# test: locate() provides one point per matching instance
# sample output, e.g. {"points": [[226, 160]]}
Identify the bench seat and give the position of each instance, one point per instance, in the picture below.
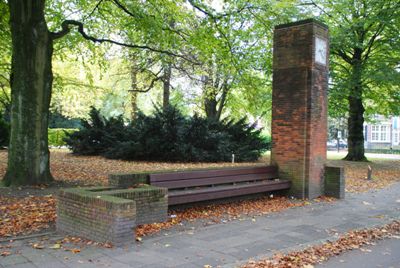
{"points": [[176, 197], [201, 185]]}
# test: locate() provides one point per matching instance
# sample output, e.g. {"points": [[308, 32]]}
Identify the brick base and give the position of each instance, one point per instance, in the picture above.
{"points": [[334, 182], [107, 214]]}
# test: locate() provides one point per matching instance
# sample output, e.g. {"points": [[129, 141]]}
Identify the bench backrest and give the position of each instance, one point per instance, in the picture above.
{"points": [[185, 179]]}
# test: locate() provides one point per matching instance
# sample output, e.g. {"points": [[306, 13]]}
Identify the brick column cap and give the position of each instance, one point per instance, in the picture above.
{"points": [[301, 22]]}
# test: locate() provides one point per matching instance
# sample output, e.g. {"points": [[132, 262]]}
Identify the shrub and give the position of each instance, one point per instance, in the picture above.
{"points": [[168, 136], [97, 135], [57, 136], [4, 132], [57, 120], [156, 137]]}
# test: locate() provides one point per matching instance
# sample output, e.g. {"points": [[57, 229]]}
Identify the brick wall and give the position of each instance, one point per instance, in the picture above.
{"points": [[98, 218], [299, 107], [108, 214], [151, 202]]}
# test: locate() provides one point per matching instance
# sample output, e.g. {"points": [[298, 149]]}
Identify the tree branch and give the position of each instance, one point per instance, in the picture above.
{"points": [[65, 29], [156, 78], [343, 55]]}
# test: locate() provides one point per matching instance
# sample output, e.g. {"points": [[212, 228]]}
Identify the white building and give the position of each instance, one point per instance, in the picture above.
{"points": [[384, 133]]}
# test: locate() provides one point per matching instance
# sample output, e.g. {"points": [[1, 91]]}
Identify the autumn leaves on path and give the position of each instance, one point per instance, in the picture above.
{"points": [[31, 214], [319, 253]]}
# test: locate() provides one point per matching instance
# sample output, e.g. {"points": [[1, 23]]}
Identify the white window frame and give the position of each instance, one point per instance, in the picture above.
{"points": [[380, 133]]}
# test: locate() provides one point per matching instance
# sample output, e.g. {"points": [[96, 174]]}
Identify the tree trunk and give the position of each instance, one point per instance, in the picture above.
{"points": [[210, 106], [134, 93], [355, 138], [166, 85], [28, 154], [209, 99]]}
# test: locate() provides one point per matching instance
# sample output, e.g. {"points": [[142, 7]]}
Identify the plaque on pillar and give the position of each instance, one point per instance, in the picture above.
{"points": [[299, 105]]}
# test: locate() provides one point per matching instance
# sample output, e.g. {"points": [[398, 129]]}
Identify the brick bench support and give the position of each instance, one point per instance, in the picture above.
{"points": [[109, 214]]}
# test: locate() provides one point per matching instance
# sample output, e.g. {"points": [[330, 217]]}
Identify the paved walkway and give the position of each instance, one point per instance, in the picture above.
{"points": [[232, 243], [384, 254]]}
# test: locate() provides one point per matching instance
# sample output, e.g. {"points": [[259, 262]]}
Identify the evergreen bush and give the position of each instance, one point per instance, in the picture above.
{"points": [[167, 135], [97, 135], [4, 132]]}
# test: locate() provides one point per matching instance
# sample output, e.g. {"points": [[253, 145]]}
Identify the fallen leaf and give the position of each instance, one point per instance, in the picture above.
{"points": [[75, 250], [37, 246], [5, 253], [56, 246]]}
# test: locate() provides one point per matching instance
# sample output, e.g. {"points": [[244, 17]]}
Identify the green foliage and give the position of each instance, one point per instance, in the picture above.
{"points": [[57, 136], [97, 135], [57, 120], [364, 39], [4, 132], [169, 136]]}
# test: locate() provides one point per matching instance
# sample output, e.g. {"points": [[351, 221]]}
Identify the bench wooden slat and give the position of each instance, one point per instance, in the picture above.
{"points": [[214, 180], [198, 174], [182, 197]]}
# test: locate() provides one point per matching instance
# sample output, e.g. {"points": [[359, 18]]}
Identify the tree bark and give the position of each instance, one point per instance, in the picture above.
{"points": [[28, 154], [210, 105], [166, 85], [134, 93], [355, 121], [209, 99]]}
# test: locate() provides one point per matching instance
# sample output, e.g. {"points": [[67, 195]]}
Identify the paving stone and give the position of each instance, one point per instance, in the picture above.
{"points": [[13, 259], [21, 265]]}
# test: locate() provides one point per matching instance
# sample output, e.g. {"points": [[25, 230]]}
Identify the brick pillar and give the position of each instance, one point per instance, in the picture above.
{"points": [[299, 105]]}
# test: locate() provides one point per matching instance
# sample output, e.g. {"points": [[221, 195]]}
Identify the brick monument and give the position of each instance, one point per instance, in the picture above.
{"points": [[299, 105]]}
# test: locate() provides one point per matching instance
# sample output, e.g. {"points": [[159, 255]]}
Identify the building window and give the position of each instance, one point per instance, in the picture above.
{"points": [[396, 137], [380, 133]]}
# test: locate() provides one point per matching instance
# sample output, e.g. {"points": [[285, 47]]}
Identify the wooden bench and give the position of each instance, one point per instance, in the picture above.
{"points": [[201, 185]]}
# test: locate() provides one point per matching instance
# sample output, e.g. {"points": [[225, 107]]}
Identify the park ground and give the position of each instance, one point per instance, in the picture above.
{"points": [[202, 231]]}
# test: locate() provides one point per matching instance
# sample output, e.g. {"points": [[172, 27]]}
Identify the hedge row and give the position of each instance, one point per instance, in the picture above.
{"points": [[57, 136], [383, 151], [168, 136]]}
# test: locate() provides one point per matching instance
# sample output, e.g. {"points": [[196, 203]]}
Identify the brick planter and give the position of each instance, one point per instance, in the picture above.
{"points": [[107, 214]]}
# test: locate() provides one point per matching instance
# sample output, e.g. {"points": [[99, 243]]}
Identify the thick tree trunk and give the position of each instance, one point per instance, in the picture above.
{"points": [[355, 138], [167, 85], [28, 155]]}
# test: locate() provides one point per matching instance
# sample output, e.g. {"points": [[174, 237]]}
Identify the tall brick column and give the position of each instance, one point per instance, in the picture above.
{"points": [[299, 105]]}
